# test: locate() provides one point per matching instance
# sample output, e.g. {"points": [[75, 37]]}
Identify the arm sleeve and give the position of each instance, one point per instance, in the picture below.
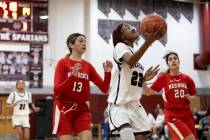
{"points": [[119, 51], [99, 82], [191, 86], [29, 97], [11, 98], [159, 83], [61, 83]]}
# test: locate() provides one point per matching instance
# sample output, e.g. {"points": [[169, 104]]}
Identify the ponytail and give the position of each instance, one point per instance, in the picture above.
{"points": [[68, 54]]}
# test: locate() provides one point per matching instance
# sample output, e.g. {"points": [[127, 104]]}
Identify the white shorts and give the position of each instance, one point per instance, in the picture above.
{"points": [[132, 113], [20, 121]]}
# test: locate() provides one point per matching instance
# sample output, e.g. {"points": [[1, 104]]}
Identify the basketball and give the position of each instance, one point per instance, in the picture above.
{"points": [[151, 23]]}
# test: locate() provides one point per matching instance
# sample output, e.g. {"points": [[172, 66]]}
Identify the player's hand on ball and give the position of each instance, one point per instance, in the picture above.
{"points": [[107, 66], [159, 31], [153, 27], [151, 73], [154, 35]]}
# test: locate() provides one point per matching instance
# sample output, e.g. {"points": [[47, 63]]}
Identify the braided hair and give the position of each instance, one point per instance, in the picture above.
{"points": [[117, 34]]}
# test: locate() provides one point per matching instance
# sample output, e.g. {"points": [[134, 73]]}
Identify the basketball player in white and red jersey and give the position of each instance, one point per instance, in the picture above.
{"points": [[72, 90], [127, 116], [21, 102], [178, 89]]}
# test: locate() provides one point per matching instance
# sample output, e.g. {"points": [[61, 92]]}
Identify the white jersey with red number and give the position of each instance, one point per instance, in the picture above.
{"points": [[126, 82], [23, 100]]}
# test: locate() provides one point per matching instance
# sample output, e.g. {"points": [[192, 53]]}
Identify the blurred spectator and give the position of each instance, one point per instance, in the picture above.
{"points": [[205, 125], [158, 126], [198, 115], [105, 125], [157, 109], [151, 119]]}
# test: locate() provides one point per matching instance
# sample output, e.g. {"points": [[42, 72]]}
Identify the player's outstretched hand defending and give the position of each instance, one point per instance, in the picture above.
{"points": [[151, 73], [107, 65]]}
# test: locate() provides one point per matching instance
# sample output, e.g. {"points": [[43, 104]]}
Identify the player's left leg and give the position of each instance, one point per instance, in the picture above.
{"points": [[191, 125], [139, 121], [26, 127], [19, 131], [190, 137], [179, 130], [26, 133], [82, 125], [140, 137], [85, 135], [126, 132]]}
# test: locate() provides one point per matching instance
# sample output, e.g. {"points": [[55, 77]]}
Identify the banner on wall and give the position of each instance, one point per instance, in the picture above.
{"points": [[36, 66], [23, 37], [27, 66], [14, 66]]}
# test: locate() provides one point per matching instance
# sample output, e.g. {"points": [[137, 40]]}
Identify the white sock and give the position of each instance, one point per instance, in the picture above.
{"points": [[127, 134]]}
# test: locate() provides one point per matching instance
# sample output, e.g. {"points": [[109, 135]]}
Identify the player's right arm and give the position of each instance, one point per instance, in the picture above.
{"points": [[10, 105], [61, 81], [132, 59], [147, 90], [156, 86], [10, 100], [191, 88]]}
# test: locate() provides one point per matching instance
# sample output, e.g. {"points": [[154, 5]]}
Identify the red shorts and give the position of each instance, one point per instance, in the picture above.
{"points": [[69, 118], [180, 127]]}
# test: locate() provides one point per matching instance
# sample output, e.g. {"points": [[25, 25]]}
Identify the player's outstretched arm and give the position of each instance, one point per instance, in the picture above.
{"points": [[147, 90], [132, 59], [103, 85], [151, 73]]}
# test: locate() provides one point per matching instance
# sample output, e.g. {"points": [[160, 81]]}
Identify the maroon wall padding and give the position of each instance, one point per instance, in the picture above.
{"points": [[203, 59], [150, 103], [98, 104]]}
